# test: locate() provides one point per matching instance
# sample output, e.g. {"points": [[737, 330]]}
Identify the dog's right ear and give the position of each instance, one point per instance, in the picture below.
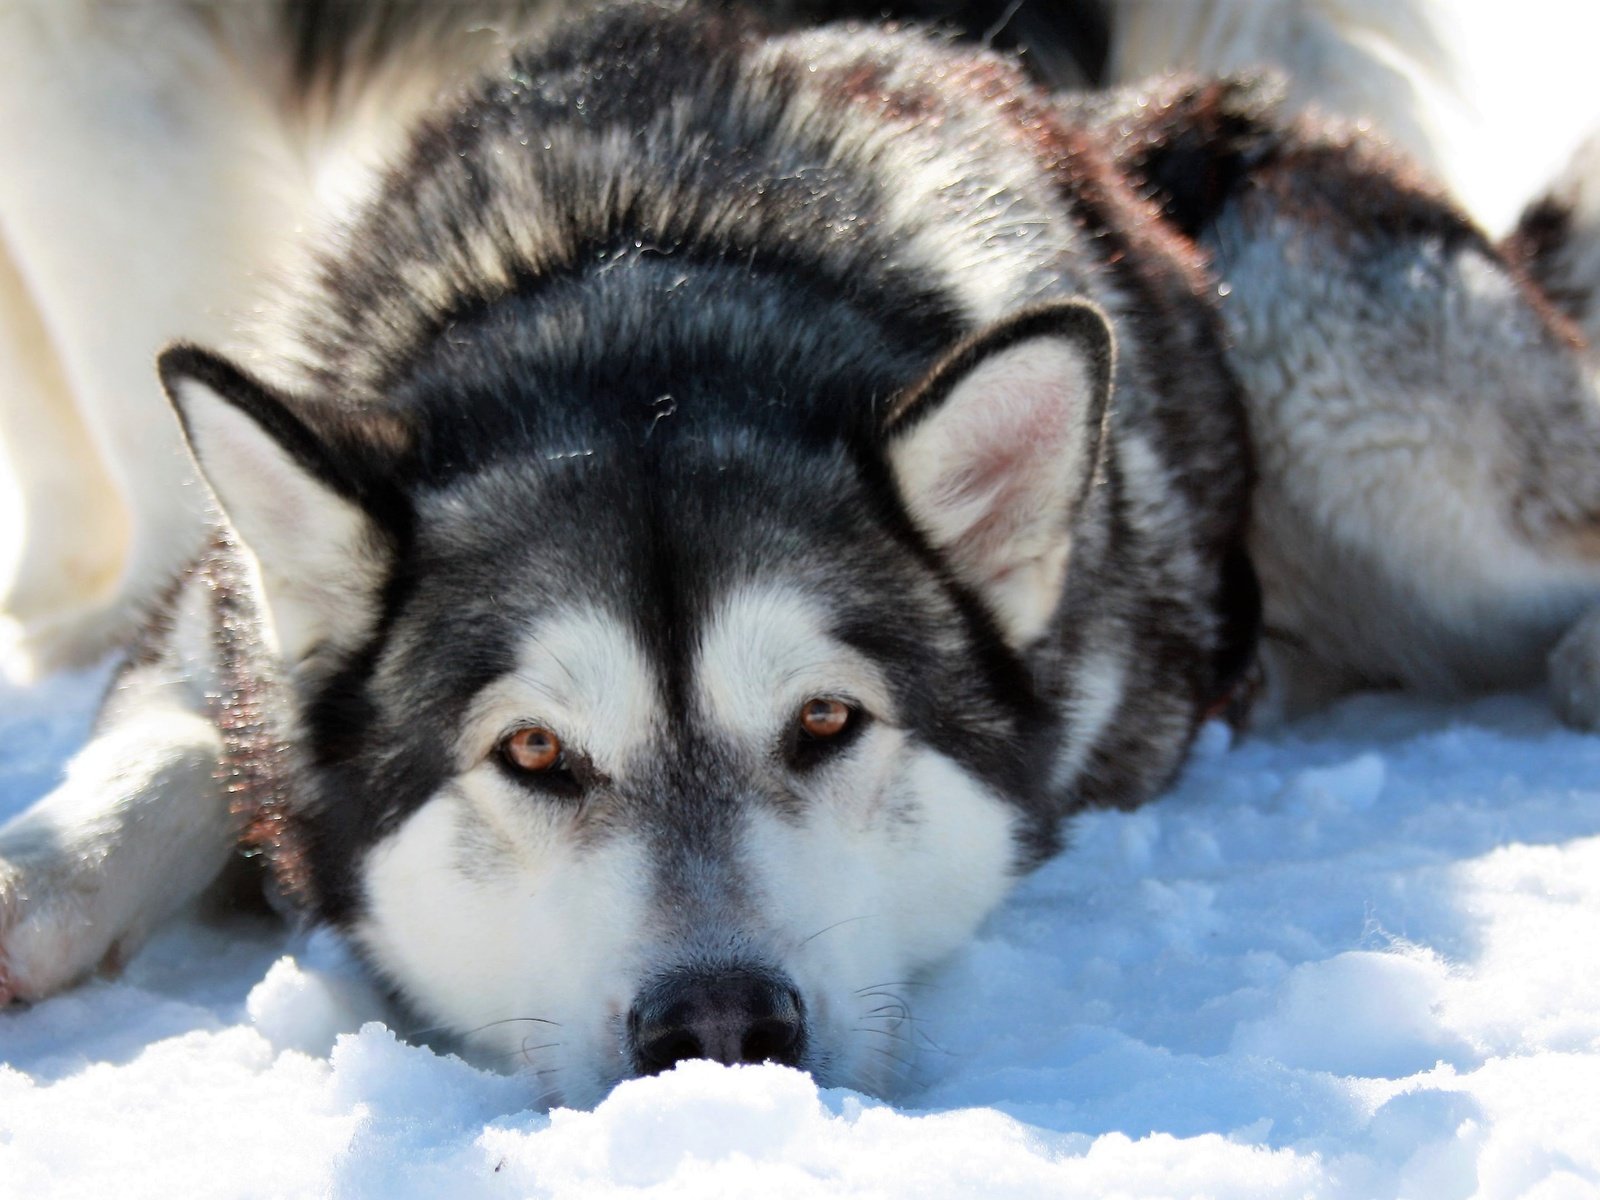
{"points": [[301, 498]]}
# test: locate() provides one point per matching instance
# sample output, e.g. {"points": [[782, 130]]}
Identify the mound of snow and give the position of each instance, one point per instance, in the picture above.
{"points": [[1358, 1013]]}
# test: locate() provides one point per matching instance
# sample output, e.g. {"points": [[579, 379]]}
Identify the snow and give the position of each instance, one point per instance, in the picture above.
{"points": [[1357, 957]]}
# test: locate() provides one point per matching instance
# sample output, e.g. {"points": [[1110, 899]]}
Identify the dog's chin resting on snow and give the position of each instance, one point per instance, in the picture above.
{"points": [[711, 518]]}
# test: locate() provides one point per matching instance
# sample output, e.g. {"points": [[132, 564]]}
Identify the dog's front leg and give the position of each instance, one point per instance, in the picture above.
{"points": [[140, 825]]}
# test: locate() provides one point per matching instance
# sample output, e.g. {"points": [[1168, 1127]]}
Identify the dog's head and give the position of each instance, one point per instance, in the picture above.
{"points": [[679, 708]]}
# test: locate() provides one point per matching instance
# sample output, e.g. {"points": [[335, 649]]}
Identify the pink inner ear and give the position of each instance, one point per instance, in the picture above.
{"points": [[1009, 428]]}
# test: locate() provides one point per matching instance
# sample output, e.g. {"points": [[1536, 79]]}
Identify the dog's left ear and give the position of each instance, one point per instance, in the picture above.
{"points": [[303, 486], [996, 449]]}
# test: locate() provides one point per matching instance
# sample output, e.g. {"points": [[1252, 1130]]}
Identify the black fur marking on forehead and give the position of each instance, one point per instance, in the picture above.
{"points": [[633, 363]]}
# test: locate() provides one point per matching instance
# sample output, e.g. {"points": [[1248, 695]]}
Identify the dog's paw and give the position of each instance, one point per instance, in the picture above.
{"points": [[51, 934], [1574, 672]]}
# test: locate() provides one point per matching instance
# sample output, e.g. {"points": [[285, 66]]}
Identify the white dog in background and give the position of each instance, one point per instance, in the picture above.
{"points": [[154, 176]]}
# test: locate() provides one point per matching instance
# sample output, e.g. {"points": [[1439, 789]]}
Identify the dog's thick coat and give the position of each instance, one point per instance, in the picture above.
{"points": [[680, 378]]}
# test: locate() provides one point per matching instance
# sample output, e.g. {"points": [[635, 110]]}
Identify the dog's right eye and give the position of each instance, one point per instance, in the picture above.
{"points": [[535, 755], [825, 718]]}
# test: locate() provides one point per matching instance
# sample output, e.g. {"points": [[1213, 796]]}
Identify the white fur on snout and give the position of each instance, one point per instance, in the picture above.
{"points": [[498, 922], [489, 905], [889, 871]]}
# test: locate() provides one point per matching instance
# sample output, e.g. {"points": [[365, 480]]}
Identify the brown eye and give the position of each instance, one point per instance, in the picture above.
{"points": [[822, 718], [532, 748]]}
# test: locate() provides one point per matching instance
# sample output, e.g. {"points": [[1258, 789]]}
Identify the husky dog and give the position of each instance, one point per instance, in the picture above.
{"points": [[725, 501]]}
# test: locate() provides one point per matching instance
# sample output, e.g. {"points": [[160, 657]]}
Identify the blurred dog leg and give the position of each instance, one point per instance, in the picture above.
{"points": [[143, 179], [66, 533]]}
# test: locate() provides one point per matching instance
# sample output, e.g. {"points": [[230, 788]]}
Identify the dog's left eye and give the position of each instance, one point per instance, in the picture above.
{"points": [[533, 749]]}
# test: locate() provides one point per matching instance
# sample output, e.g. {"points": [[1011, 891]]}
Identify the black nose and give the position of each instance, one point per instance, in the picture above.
{"points": [[738, 1015]]}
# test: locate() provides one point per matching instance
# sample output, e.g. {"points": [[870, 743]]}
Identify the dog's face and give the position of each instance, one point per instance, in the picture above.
{"points": [[618, 753]]}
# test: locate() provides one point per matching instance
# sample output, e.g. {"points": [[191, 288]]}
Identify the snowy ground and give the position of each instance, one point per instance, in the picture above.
{"points": [[1358, 958]]}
